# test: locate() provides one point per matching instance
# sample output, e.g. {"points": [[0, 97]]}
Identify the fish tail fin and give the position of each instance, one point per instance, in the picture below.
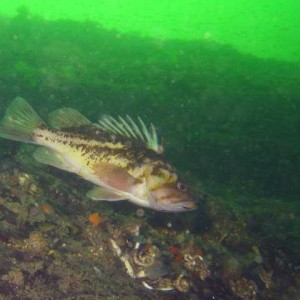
{"points": [[19, 122]]}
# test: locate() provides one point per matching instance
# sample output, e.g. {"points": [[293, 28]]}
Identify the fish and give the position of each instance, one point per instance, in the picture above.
{"points": [[120, 156]]}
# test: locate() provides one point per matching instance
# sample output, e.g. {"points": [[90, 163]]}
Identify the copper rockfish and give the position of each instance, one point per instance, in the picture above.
{"points": [[121, 157]]}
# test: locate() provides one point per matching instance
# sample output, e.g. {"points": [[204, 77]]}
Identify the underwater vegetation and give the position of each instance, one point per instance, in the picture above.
{"points": [[230, 124]]}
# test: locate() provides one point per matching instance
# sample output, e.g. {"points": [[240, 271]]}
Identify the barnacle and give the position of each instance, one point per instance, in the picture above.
{"points": [[145, 256], [160, 284], [181, 283], [244, 288], [197, 264]]}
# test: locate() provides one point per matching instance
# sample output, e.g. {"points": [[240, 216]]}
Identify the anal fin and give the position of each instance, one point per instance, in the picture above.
{"points": [[101, 193], [51, 158]]}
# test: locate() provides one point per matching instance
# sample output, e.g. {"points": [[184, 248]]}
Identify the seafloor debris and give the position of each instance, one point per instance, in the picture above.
{"points": [[266, 277], [244, 288], [15, 277], [152, 265], [36, 244], [52, 246], [197, 264]]}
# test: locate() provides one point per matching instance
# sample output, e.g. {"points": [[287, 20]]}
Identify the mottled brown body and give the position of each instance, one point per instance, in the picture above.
{"points": [[93, 146], [122, 158]]}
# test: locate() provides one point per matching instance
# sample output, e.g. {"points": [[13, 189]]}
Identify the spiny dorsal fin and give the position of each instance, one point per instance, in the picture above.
{"points": [[127, 127], [67, 117]]}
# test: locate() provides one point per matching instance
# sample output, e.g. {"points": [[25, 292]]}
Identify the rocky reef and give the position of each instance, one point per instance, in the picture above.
{"points": [[55, 243]]}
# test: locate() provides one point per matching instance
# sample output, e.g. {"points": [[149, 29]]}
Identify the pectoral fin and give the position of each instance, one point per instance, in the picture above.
{"points": [[114, 176], [101, 193], [51, 158]]}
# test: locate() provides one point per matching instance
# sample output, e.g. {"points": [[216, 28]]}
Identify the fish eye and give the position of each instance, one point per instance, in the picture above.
{"points": [[181, 186]]}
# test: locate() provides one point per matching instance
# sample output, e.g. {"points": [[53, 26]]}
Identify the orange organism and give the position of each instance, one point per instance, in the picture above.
{"points": [[95, 219], [46, 208]]}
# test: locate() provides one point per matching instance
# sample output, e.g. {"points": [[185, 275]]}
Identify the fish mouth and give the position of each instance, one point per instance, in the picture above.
{"points": [[190, 206], [183, 202], [172, 201], [186, 206], [178, 207]]}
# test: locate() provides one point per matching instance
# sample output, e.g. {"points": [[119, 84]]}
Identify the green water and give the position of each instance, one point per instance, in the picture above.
{"points": [[268, 29], [219, 79]]}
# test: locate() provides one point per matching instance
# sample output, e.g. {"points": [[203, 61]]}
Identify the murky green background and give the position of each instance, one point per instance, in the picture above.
{"points": [[219, 79], [268, 29]]}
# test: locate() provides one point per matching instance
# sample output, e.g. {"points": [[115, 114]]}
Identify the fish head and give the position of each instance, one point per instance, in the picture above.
{"points": [[166, 192]]}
